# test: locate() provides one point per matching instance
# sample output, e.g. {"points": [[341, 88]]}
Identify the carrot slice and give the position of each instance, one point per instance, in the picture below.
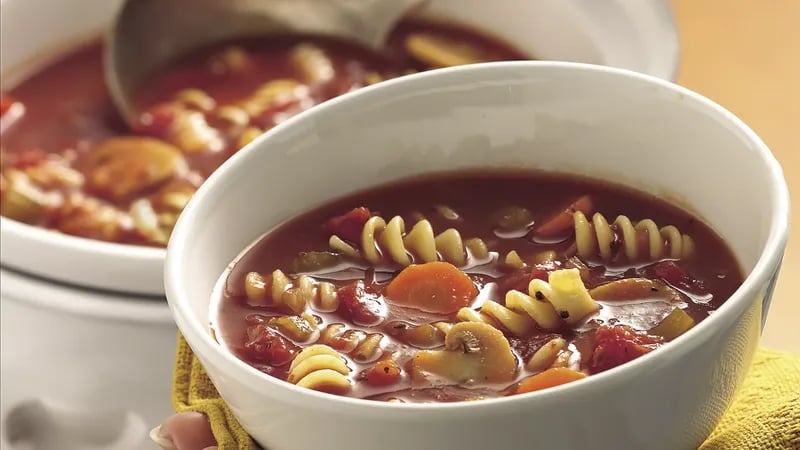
{"points": [[554, 376], [563, 221], [436, 287], [383, 373]]}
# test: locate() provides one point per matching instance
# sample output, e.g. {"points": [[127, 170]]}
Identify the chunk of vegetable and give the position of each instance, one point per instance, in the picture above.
{"points": [[474, 352], [314, 261], [560, 223], [616, 345], [267, 346], [635, 289], [362, 307], [513, 218], [675, 324], [436, 287], [677, 276], [348, 226], [121, 167], [383, 373], [23, 201], [438, 51], [158, 121], [420, 336], [549, 378], [546, 355], [297, 328], [6, 102]]}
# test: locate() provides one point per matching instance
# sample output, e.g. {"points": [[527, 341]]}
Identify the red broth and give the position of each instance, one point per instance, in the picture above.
{"points": [[641, 300], [70, 164]]}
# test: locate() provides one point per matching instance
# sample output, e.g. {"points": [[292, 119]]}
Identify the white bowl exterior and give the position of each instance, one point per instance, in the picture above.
{"points": [[611, 124], [630, 36], [90, 359]]}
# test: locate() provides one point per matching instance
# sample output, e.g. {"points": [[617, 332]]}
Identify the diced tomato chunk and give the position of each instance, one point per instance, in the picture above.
{"points": [[157, 121], [29, 158], [6, 102], [670, 272], [675, 275], [542, 271], [616, 345], [348, 226], [267, 346], [362, 307], [520, 279]]}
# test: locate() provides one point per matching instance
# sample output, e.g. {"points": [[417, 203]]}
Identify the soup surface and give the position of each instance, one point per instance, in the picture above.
{"points": [[470, 285], [70, 164]]}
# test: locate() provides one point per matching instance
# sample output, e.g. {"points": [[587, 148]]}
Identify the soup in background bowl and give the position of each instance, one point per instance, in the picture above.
{"points": [[555, 118], [70, 165]]}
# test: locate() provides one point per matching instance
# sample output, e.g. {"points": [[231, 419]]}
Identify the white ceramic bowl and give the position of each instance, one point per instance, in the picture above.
{"points": [[622, 33], [582, 119]]}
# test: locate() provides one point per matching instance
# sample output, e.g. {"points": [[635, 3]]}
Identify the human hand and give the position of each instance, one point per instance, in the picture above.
{"points": [[184, 431]]}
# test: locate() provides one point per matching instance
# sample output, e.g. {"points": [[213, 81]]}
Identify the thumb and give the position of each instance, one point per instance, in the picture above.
{"points": [[184, 431]]}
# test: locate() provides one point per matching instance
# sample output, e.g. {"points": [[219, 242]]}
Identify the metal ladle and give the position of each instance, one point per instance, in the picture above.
{"points": [[148, 34]]}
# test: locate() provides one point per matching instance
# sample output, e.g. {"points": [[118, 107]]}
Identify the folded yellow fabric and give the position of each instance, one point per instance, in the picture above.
{"points": [[764, 416]]}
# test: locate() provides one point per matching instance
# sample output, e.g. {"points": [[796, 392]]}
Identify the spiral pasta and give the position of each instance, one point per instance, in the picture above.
{"points": [[518, 315], [279, 291], [380, 239], [564, 297], [362, 347], [320, 368], [598, 238]]}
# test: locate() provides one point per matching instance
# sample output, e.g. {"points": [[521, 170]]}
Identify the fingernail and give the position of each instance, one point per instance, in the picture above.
{"points": [[162, 440]]}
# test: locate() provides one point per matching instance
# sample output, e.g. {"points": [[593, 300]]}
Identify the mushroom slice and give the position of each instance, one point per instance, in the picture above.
{"points": [[474, 353], [121, 167]]}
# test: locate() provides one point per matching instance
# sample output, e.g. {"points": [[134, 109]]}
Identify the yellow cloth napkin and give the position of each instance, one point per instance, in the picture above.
{"points": [[764, 416]]}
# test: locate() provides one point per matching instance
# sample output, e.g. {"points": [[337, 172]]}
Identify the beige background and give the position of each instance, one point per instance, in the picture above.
{"points": [[745, 55]]}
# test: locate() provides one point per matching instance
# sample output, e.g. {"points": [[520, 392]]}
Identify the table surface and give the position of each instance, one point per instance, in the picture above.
{"points": [[745, 55]]}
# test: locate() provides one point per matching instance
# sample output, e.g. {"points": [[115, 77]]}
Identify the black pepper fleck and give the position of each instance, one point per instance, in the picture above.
{"points": [[539, 295], [654, 289], [564, 314]]}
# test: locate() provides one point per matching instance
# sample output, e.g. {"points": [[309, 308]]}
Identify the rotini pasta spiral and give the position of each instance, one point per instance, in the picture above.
{"points": [[361, 346], [278, 290], [564, 297], [598, 238], [381, 239], [320, 368]]}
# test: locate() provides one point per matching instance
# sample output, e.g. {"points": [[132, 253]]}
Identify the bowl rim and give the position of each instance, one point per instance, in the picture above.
{"points": [[201, 341]]}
